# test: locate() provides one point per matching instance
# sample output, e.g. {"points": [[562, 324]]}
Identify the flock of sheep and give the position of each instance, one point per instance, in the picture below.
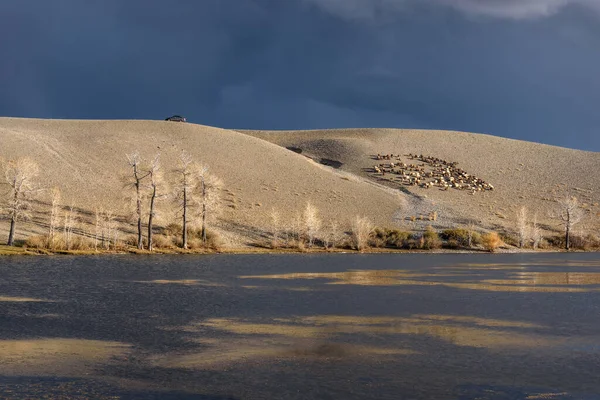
{"points": [[430, 172]]}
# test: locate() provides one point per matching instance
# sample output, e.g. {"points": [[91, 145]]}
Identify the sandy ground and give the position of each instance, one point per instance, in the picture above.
{"points": [[523, 173], [86, 159]]}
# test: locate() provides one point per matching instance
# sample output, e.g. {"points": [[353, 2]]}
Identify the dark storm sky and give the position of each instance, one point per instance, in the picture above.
{"points": [[526, 69]]}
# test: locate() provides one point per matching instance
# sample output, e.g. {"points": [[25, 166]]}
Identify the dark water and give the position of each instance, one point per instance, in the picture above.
{"points": [[301, 327]]}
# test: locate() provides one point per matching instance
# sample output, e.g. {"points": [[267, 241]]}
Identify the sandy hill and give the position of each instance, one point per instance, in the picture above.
{"points": [[86, 159], [523, 173]]}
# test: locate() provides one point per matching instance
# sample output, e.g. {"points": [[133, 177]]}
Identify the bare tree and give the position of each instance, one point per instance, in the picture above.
{"points": [[97, 226], [536, 232], [571, 214], [157, 191], [208, 199], [184, 189], [275, 229], [522, 227], [332, 235], [138, 175], [108, 228], [362, 228], [312, 223], [470, 231], [69, 220], [296, 237], [54, 215], [20, 175]]}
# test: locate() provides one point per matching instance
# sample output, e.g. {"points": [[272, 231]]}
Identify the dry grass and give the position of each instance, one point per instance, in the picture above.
{"points": [[491, 241]]}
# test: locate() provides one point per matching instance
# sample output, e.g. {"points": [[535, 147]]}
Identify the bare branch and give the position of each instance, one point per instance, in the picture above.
{"points": [[20, 175]]}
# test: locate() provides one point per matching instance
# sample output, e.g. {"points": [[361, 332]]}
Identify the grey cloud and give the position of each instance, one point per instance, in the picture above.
{"points": [[272, 64], [512, 9]]}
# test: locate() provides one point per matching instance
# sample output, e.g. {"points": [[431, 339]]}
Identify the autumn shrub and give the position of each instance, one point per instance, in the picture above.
{"points": [[195, 243], [37, 242], [58, 243], [476, 238], [491, 241], [162, 242], [587, 242], [383, 237], [377, 241], [130, 240], [456, 238], [511, 240], [431, 239], [398, 238], [214, 240], [172, 229], [557, 241]]}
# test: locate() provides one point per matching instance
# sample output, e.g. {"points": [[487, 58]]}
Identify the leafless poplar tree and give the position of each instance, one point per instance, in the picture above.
{"points": [[296, 236], [20, 175], [312, 223], [332, 235], [571, 214], [54, 215], [108, 229], [208, 199], [362, 228], [69, 220], [97, 226], [138, 176], [522, 227], [470, 231], [156, 185], [536, 232], [184, 189], [275, 229]]}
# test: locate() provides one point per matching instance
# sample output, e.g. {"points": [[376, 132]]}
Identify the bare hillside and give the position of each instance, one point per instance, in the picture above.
{"points": [[86, 159], [282, 171], [522, 173]]}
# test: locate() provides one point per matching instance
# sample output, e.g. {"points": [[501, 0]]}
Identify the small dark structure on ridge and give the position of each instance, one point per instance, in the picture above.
{"points": [[176, 118]]}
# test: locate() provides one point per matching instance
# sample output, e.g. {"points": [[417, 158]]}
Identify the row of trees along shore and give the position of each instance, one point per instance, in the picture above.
{"points": [[194, 194], [194, 187]]}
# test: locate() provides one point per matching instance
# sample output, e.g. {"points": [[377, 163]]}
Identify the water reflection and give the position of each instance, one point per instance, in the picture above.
{"points": [[326, 336], [184, 282], [10, 299], [520, 281], [550, 278], [56, 357]]}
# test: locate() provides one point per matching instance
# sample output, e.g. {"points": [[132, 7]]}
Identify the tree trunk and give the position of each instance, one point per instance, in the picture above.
{"points": [[203, 212], [568, 237], [204, 224], [184, 234], [11, 234], [140, 243], [150, 218]]}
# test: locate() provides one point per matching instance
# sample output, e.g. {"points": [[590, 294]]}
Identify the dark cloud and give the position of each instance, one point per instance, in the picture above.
{"points": [[295, 64]]}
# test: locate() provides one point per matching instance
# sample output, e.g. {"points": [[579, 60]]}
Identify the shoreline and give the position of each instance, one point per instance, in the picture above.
{"points": [[24, 251]]}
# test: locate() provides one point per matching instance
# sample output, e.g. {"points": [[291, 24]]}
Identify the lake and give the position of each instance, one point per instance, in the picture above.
{"points": [[339, 326]]}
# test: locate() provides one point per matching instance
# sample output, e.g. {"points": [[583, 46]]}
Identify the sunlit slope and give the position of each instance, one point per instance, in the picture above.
{"points": [[523, 173], [86, 159]]}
